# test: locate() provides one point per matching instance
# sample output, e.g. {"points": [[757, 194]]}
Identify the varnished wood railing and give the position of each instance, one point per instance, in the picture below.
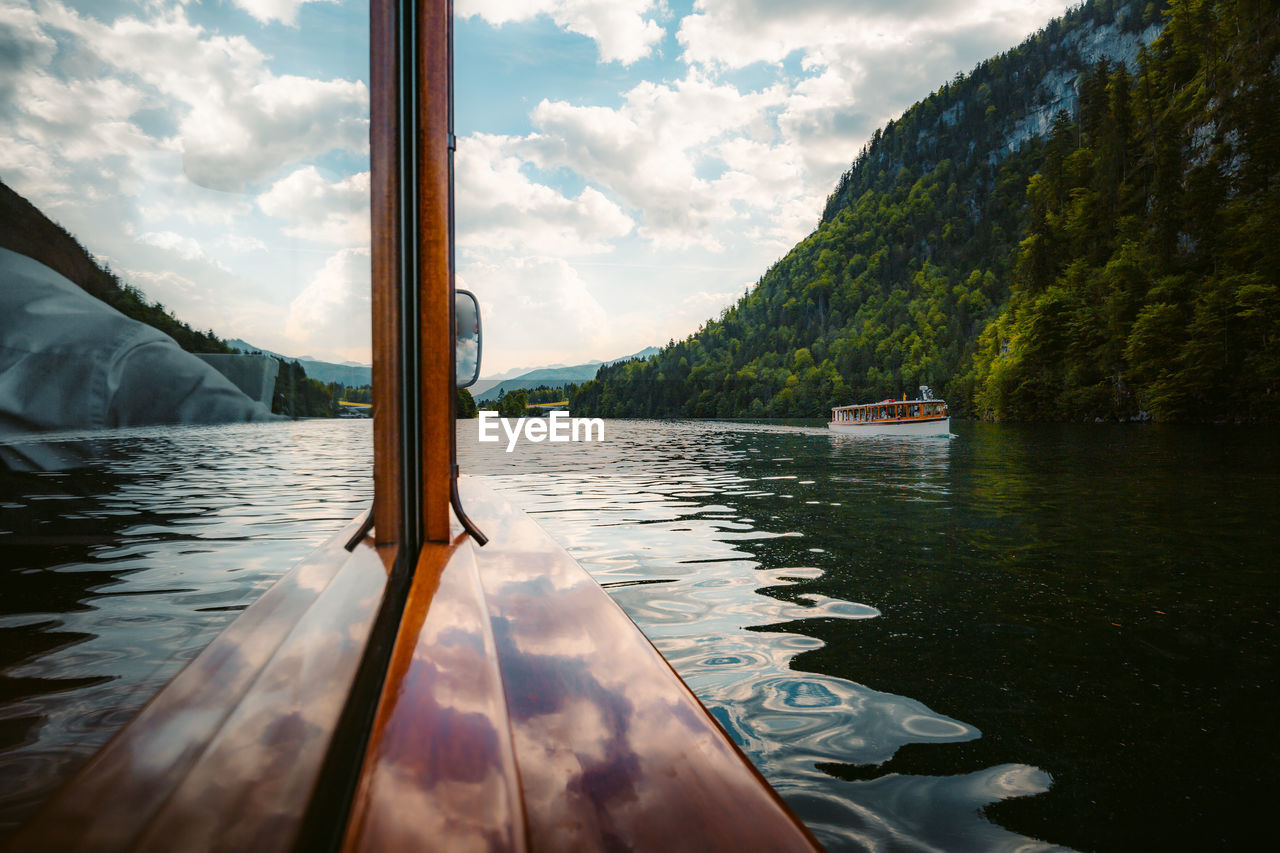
{"points": [[524, 710], [386, 296]]}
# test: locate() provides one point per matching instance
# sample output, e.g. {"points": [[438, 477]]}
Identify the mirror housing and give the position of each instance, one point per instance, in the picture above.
{"points": [[466, 337]]}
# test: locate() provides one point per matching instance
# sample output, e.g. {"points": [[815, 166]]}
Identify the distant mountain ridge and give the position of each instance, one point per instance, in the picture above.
{"points": [[352, 374], [355, 375], [555, 376]]}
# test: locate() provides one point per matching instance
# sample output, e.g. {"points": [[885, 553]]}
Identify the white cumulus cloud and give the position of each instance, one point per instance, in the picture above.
{"points": [[501, 208], [738, 33], [536, 306], [334, 307], [237, 122], [184, 247], [284, 11], [623, 30], [321, 211], [659, 153]]}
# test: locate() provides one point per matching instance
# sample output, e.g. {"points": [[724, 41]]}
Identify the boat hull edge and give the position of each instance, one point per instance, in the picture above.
{"points": [[931, 427]]}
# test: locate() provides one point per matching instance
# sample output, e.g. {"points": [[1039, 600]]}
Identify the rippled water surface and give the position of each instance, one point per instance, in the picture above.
{"points": [[1018, 638], [129, 552]]}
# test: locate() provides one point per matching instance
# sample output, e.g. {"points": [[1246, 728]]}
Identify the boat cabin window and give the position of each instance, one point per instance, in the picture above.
{"points": [[184, 341]]}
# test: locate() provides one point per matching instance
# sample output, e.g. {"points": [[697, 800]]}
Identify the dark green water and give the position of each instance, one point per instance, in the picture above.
{"points": [[1101, 603], [1087, 609], [129, 552], [1017, 638]]}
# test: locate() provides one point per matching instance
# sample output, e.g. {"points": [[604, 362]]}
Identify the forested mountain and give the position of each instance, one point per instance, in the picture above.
{"points": [[1085, 226]]}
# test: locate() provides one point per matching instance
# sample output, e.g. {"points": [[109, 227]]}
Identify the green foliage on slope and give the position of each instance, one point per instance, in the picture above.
{"points": [[466, 407], [1118, 261], [299, 396], [1146, 280], [514, 404]]}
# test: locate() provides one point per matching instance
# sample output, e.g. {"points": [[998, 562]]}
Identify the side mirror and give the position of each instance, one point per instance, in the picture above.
{"points": [[466, 338]]}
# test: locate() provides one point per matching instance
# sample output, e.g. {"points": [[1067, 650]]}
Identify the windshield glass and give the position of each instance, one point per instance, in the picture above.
{"points": [[184, 340]]}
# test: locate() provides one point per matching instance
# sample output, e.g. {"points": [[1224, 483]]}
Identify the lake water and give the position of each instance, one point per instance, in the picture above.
{"points": [[1017, 638]]}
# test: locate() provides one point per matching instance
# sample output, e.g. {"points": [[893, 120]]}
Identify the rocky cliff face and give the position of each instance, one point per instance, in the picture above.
{"points": [[1059, 89], [1009, 99]]}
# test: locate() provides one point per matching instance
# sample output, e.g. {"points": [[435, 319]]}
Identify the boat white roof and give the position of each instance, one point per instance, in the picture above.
{"points": [[890, 402]]}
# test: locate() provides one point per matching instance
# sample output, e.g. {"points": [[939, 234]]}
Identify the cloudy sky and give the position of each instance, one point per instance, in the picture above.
{"points": [[625, 168]]}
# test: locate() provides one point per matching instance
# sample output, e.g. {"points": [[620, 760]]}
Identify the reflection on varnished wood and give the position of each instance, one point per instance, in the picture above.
{"points": [[522, 710], [614, 751], [225, 756], [439, 771]]}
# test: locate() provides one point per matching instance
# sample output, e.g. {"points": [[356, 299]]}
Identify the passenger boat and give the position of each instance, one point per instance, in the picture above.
{"points": [[924, 417], [409, 686]]}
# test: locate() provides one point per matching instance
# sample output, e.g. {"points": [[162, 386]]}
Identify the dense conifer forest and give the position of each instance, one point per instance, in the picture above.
{"points": [[1056, 236]]}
